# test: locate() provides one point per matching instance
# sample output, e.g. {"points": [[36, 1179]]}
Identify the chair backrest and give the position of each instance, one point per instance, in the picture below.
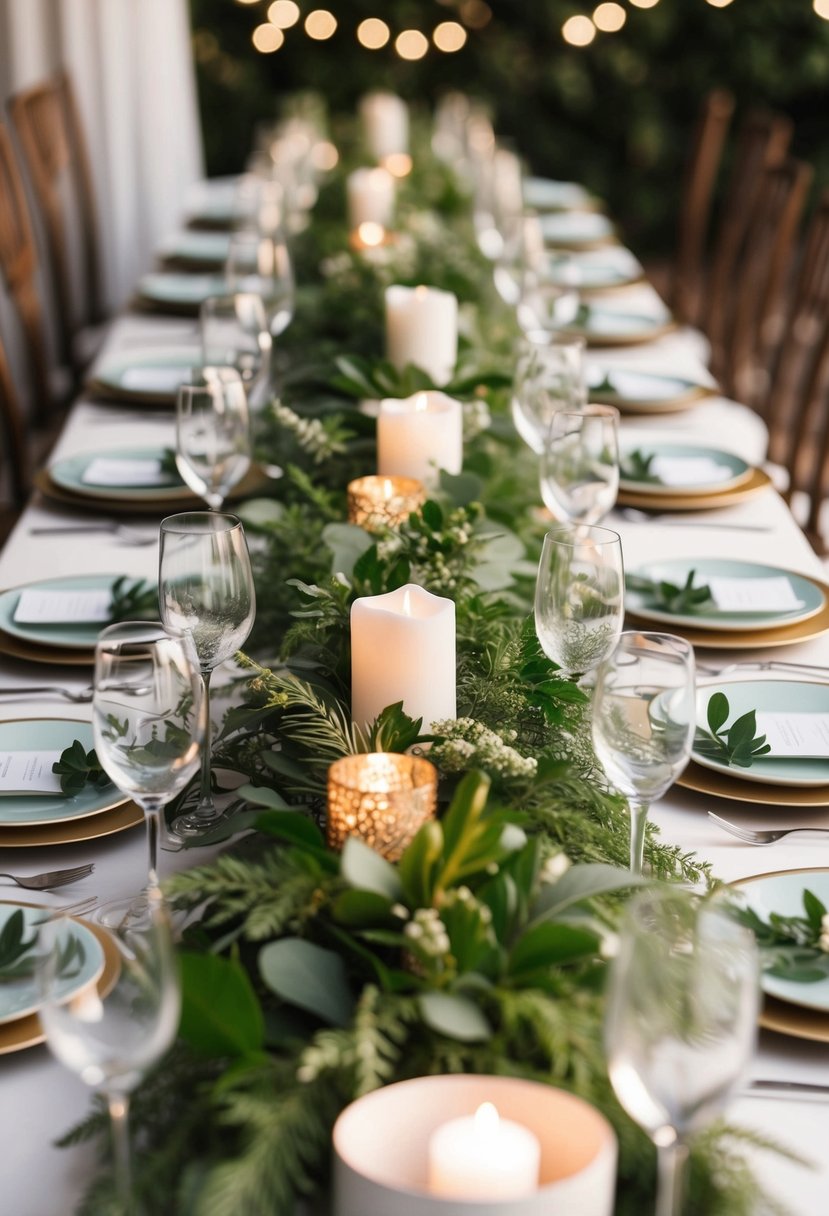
{"points": [[48, 126], [13, 445], [763, 272], [762, 142], [18, 265], [788, 408], [695, 206]]}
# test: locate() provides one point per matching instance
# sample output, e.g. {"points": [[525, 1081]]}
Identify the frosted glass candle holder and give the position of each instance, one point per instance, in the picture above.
{"points": [[382, 797], [381, 1149], [383, 502]]}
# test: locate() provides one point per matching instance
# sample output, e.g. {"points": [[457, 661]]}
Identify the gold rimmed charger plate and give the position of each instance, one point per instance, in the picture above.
{"points": [[597, 341], [780, 1016], [73, 831], [252, 483], [715, 784], [28, 1032], [32, 652], [750, 639], [668, 405], [127, 396], [755, 484]]}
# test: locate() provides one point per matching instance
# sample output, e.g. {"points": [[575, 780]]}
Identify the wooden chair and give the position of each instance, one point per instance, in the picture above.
{"points": [[761, 280], [695, 207], [810, 454], [48, 126], [762, 142], [18, 265], [15, 471]]}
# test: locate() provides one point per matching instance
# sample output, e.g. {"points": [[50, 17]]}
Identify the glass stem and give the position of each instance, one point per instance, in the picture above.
{"points": [[671, 1161], [119, 1108], [638, 819], [152, 808], [206, 797]]}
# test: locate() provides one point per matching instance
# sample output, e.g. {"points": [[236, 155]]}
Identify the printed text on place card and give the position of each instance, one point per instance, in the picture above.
{"points": [[28, 773], [774, 594], [795, 735]]}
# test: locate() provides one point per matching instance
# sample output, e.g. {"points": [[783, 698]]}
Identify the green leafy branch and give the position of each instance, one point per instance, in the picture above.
{"points": [[738, 744], [672, 597], [637, 466], [133, 600], [372, 378], [792, 948], [18, 957], [78, 768]]}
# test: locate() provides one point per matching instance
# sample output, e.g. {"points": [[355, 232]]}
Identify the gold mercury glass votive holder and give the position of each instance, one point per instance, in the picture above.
{"points": [[382, 797], [384, 502]]}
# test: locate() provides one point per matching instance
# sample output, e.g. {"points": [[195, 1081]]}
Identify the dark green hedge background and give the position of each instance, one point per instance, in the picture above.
{"points": [[616, 115]]}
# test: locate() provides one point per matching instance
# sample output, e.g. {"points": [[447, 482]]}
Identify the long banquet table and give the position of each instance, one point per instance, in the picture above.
{"points": [[39, 1100]]}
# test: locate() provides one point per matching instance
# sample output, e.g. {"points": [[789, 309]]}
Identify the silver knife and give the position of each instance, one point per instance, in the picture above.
{"points": [[793, 1090]]}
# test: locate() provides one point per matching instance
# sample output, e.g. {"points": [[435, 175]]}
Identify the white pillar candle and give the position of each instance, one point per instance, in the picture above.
{"points": [[417, 436], [483, 1157], [422, 328], [385, 118], [370, 194], [403, 649]]}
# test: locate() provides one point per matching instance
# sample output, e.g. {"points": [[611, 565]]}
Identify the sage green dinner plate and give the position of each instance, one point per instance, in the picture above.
{"points": [[68, 474], [202, 248], [783, 893], [593, 269], [51, 734], [644, 392], [574, 228], [769, 696], [609, 324], [703, 471], [80, 636], [144, 375], [20, 997], [546, 194], [181, 290], [676, 571]]}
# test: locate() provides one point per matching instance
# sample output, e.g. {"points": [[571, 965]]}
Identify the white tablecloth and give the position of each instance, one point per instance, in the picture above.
{"points": [[39, 1100]]}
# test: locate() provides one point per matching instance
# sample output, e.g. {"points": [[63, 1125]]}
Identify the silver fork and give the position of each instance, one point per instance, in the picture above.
{"points": [[752, 836], [51, 879], [122, 532], [636, 516], [37, 689], [768, 665]]}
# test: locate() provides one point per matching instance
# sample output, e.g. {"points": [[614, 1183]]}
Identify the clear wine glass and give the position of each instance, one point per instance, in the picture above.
{"points": [[521, 257], [544, 309], [259, 264], [547, 378], [579, 468], [643, 721], [579, 596], [681, 1023], [149, 722], [234, 333], [206, 590], [213, 441], [111, 1039]]}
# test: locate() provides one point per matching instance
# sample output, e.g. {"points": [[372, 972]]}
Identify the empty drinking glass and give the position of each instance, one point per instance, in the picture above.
{"points": [[259, 264], [547, 378], [681, 1022], [643, 721], [579, 596], [234, 333], [579, 473], [213, 443], [544, 309]]}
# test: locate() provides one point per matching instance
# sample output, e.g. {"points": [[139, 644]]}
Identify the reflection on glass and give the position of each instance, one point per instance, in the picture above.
{"points": [[579, 469], [547, 378]]}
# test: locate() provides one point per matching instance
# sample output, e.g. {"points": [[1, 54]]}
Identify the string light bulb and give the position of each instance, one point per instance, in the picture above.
{"points": [[283, 14], [644, 3], [320, 24], [411, 44], [821, 7], [609, 17], [267, 38], [373, 33], [720, 3], [578, 31], [449, 36]]}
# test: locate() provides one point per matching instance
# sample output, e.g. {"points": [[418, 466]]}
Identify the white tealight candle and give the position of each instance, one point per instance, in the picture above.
{"points": [[482, 1156], [419, 435], [370, 195], [403, 649], [385, 119], [422, 328]]}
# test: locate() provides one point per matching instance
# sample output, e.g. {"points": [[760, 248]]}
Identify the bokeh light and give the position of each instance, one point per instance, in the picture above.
{"points": [[283, 14], [578, 31], [320, 24], [821, 7], [644, 3], [411, 44], [449, 36], [373, 33], [609, 17], [267, 38], [475, 13]]}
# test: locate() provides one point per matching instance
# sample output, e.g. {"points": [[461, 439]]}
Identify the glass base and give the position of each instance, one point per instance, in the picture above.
{"points": [[199, 823], [122, 915]]}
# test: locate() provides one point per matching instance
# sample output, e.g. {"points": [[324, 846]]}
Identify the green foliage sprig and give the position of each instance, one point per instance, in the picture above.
{"points": [[679, 599], [794, 948], [18, 957], [636, 466], [78, 768], [738, 744], [133, 600]]}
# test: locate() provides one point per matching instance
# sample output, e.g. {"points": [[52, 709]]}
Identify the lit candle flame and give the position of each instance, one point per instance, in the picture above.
{"points": [[486, 1120], [421, 403], [388, 488], [421, 292]]}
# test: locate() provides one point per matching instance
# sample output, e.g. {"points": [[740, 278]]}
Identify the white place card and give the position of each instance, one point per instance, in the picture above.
{"points": [[28, 773], [775, 594], [36, 607], [154, 379], [115, 471], [689, 470], [797, 735]]}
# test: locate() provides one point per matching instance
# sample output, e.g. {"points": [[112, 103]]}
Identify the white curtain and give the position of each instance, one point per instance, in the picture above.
{"points": [[132, 69]]}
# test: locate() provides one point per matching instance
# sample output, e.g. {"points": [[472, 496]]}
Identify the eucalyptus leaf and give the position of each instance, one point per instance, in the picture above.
{"points": [[308, 976], [220, 1013], [455, 1016], [366, 870]]}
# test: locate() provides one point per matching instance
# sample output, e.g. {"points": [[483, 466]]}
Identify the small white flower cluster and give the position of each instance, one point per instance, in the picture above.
{"points": [[823, 940], [553, 868], [476, 418], [463, 895], [426, 931], [467, 742], [309, 433]]}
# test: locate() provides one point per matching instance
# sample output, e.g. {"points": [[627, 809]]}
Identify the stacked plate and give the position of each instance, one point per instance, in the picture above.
{"points": [[577, 230], [609, 323], [685, 477], [635, 392], [147, 377], [593, 269], [195, 249], [180, 294], [29, 820], [96, 963], [128, 480], [546, 194], [800, 1010], [752, 604], [45, 640]]}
